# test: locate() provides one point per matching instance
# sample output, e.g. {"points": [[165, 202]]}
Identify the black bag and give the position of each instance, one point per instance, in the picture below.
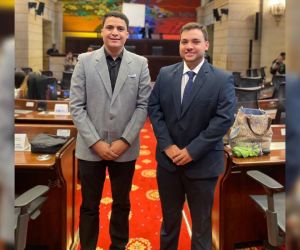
{"points": [[48, 144]]}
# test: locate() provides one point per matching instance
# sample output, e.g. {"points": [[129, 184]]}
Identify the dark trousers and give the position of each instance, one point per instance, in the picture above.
{"points": [[173, 188], [92, 176]]}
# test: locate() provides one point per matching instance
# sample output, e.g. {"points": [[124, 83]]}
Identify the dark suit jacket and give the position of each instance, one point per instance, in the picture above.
{"points": [[201, 124]]}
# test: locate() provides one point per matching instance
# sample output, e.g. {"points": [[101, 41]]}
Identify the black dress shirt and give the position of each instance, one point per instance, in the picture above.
{"points": [[113, 68]]}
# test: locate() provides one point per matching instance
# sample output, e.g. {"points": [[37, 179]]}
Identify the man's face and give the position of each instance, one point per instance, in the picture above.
{"points": [[114, 33], [192, 46]]}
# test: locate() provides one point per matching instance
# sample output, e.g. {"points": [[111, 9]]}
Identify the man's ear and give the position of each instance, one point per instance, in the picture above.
{"points": [[207, 45]]}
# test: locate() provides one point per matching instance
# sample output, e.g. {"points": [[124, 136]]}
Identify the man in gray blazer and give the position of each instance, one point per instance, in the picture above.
{"points": [[110, 88]]}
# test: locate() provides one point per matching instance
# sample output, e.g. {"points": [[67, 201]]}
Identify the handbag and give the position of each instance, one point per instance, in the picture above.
{"points": [[46, 143], [251, 133]]}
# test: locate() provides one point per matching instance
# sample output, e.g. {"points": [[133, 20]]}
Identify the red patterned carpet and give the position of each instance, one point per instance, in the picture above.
{"points": [[145, 216]]}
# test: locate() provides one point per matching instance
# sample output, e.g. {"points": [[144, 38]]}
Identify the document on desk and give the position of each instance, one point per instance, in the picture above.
{"points": [[22, 142], [22, 112], [52, 113], [277, 146]]}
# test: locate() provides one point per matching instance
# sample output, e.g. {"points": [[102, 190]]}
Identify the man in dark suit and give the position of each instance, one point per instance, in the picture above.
{"points": [[191, 108], [52, 51]]}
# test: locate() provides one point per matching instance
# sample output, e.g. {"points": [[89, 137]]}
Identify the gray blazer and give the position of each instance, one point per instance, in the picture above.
{"points": [[99, 114]]}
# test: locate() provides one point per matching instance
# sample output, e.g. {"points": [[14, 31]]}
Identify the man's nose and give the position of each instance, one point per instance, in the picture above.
{"points": [[115, 31], [189, 46]]}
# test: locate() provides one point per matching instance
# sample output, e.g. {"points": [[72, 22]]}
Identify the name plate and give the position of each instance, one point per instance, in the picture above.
{"points": [[283, 131], [29, 104], [22, 143], [63, 132], [61, 109]]}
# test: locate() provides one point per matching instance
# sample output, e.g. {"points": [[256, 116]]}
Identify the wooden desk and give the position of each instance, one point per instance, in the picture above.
{"points": [[241, 223], [266, 93], [29, 104], [268, 103], [25, 104], [55, 227], [43, 117]]}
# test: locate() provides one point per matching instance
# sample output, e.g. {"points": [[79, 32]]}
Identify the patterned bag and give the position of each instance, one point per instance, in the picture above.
{"points": [[251, 129]]}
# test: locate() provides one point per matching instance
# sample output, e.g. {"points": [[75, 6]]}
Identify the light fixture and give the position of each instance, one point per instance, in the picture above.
{"points": [[224, 11], [38, 7], [32, 5], [217, 15], [277, 9]]}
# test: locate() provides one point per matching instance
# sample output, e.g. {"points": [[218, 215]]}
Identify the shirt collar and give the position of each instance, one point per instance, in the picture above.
{"points": [[196, 69], [108, 56]]}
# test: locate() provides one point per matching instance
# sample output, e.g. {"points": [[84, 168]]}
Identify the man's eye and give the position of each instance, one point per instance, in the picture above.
{"points": [[121, 28]]}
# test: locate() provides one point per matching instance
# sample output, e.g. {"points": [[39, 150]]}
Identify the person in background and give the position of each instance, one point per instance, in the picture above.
{"points": [[147, 31], [52, 51], [90, 49], [191, 108], [278, 65], [109, 95], [21, 86], [69, 62]]}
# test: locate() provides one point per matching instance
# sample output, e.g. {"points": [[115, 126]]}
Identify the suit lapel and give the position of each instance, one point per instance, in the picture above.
{"points": [[177, 76], [102, 69], [122, 75], [197, 85]]}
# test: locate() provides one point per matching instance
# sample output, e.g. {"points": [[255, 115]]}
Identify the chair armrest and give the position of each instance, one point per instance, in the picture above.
{"points": [[249, 89], [269, 183], [26, 198]]}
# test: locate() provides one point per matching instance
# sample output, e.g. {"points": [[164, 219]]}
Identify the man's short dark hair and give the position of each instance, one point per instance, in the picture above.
{"points": [[118, 15], [282, 53], [192, 25]]}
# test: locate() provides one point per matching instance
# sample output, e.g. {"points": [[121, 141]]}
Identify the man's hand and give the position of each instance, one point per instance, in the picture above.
{"points": [[103, 149], [172, 151], [119, 147], [183, 157]]}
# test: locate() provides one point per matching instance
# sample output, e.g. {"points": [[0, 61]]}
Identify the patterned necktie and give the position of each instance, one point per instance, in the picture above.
{"points": [[188, 88]]}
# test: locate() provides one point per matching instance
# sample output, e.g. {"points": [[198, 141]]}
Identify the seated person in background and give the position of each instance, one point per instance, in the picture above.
{"points": [[147, 31], [69, 62], [52, 51], [21, 87], [278, 66], [90, 49]]}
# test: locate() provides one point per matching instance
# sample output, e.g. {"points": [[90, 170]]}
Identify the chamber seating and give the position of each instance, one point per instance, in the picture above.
{"points": [[27, 207], [273, 205]]}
